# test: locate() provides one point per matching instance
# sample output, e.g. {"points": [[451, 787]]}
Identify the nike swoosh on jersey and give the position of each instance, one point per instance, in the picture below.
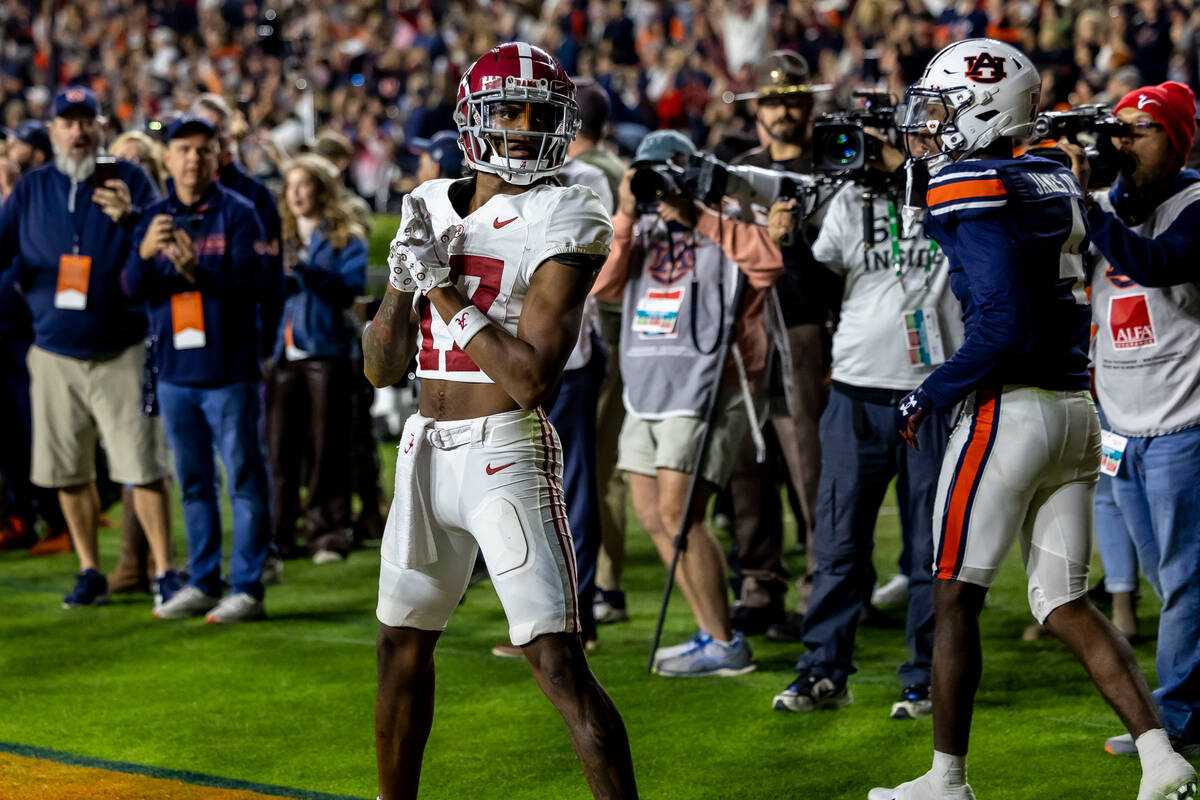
{"points": [[496, 223], [493, 470]]}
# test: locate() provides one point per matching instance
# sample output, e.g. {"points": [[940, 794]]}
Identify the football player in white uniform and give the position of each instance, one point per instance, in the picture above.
{"points": [[488, 279]]}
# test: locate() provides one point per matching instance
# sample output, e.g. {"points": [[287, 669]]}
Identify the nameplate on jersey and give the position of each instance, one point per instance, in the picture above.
{"points": [[657, 312], [923, 338], [187, 321], [1112, 451], [1050, 184], [74, 271]]}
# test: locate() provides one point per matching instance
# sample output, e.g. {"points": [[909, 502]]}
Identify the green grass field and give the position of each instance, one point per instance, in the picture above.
{"points": [[290, 701]]}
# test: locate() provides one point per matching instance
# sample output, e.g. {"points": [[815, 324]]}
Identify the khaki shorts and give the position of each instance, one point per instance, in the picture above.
{"points": [[79, 401], [648, 445]]}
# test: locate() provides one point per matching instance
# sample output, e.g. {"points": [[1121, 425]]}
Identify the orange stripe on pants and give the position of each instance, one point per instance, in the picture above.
{"points": [[959, 506]]}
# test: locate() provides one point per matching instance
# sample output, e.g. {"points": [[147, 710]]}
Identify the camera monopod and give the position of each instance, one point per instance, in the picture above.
{"points": [[710, 416]]}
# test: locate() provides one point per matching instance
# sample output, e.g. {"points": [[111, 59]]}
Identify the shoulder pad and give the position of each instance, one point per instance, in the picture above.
{"points": [[966, 189]]}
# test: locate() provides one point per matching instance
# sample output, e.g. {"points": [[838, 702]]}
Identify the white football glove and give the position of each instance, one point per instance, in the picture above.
{"points": [[418, 260]]}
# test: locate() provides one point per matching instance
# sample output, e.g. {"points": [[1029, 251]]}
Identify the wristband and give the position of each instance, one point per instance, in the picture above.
{"points": [[465, 324]]}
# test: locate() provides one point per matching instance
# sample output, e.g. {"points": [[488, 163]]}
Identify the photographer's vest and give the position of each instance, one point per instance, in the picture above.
{"points": [[665, 373], [1146, 350]]}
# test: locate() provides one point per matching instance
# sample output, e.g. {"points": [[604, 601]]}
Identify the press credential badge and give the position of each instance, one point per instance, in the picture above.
{"points": [[1112, 451], [923, 338], [657, 313]]}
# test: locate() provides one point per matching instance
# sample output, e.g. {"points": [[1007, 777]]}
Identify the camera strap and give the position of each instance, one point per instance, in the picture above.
{"points": [[894, 234]]}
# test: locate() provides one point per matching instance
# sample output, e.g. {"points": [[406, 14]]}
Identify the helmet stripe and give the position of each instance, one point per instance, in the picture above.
{"points": [[525, 57]]}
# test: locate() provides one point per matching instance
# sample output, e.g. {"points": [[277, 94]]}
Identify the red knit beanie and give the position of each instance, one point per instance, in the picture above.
{"points": [[1171, 104]]}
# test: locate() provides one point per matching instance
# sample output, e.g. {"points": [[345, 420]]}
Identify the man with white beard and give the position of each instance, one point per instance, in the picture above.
{"points": [[69, 238]]}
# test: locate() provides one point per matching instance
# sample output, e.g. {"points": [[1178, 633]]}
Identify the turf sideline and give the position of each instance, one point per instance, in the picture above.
{"points": [[183, 776]]}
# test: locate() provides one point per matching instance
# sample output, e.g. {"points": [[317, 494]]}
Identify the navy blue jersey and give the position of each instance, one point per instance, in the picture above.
{"points": [[1014, 230]]}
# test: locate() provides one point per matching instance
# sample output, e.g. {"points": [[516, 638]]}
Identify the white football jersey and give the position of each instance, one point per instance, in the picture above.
{"points": [[503, 243]]}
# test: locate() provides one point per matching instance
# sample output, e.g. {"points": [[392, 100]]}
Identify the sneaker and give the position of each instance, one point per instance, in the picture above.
{"points": [[187, 602], [272, 571], [53, 545], [1123, 745], [609, 607], [1171, 779], [166, 586], [891, 594], [709, 658], [812, 693], [789, 631], [327, 557], [699, 640], [238, 607], [923, 788], [91, 589], [914, 702]]}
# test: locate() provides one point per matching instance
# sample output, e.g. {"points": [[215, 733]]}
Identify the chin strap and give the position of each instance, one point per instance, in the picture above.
{"points": [[911, 214]]}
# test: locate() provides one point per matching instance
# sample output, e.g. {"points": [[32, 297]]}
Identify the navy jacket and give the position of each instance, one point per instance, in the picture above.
{"points": [[1013, 230], [231, 274], [1165, 260], [233, 177], [320, 289], [38, 227]]}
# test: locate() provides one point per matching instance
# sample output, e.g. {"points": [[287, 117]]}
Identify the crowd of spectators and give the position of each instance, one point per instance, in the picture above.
{"points": [[384, 73]]}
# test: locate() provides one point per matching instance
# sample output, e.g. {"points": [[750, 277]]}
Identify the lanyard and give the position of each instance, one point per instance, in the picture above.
{"points": [[78, 218], [894, 233]]}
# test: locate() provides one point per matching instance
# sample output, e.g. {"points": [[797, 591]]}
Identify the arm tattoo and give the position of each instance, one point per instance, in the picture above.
{"points": [[385, 342]]}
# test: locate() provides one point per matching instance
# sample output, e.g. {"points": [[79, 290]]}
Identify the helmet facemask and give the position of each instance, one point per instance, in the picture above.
{"points": [[930, 115], [524, 117]]}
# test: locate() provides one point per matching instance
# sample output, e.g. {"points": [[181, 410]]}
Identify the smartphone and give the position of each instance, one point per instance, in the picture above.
{"points": [[188, 223], [106, 169]]}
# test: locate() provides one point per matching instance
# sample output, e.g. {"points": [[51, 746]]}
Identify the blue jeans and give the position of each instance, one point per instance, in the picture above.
{"points": [[574, 417], [197, 420], [861, 451], [1158, 493], [1113, 539]]}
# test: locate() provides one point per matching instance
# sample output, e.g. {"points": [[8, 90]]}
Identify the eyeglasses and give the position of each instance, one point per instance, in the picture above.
{"points": [[1136, 130]]}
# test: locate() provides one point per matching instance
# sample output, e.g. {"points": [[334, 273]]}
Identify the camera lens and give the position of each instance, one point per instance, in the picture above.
{"points": [[648, 185]]}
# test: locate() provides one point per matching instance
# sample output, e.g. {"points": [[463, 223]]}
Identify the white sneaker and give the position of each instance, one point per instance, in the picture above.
{"points": [[239, 607], [606, 613], [923, 788], [327, 557], [710, 657], [187, 602], [679, 649], [892, 593], [1173, 778]]}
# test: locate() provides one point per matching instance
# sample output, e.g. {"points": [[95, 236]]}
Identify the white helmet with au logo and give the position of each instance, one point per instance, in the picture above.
{"points": [[972, 93]]}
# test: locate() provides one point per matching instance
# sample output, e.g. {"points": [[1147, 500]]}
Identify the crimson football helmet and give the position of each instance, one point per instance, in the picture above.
{"points": [[512, 80]]}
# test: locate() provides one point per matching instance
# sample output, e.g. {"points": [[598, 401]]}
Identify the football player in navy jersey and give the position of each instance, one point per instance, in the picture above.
{"points": [[1024, 457], [488, 279]]}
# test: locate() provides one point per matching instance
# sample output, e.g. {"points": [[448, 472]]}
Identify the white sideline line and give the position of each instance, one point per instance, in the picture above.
{"points": [[1083, 722]]}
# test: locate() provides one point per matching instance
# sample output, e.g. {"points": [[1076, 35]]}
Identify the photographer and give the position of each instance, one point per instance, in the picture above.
{"points": [[1146, 310], [806, 296], [199, 267], [675, 268], [898, 321], [67, 230]]}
